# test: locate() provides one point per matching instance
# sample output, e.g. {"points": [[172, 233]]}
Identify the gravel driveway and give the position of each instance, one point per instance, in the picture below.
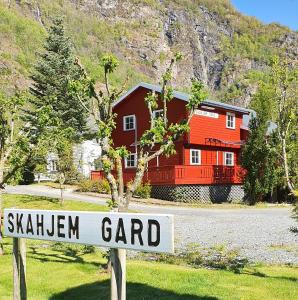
{"points": [[260, 234]]}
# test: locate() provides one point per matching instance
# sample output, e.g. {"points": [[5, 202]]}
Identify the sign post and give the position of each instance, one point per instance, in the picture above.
{"points": [[19, 269], [118, 274], [118, 231]]}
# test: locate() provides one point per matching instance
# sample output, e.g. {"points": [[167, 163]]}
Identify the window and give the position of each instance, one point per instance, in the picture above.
{"points": [[129, 122], [195, 157], [130, 161], [53, 165], [230, 121], [157, 113], [229, 158]]}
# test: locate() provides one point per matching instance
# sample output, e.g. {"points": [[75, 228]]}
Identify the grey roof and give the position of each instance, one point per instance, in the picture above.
{"points": [[182, 96], [252, 114]]}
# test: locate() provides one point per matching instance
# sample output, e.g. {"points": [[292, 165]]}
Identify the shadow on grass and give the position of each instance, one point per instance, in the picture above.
{"points": [[263, 275], [30, 198], [67, 256], [137, 291]]}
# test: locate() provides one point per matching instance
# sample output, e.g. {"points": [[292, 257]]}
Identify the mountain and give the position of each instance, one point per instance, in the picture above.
{"points": [[228, 51]]}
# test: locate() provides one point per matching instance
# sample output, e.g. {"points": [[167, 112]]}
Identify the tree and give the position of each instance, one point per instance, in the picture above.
{"points": [[259, 154], [259, 161], [64, 118], [283, 82], [157, 140], [55, 67], [14, 142]]}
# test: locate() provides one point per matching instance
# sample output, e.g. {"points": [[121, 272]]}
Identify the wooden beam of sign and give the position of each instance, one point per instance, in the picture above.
{"points": [[142, 232]]}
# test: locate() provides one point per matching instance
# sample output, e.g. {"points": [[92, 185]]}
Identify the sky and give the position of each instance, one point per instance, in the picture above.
{"points": [[284, 12]]}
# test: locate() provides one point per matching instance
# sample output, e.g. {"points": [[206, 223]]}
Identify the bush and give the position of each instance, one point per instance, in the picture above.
{"points": [[101, 186], [96, 186], [143, 190], [217, 257]]}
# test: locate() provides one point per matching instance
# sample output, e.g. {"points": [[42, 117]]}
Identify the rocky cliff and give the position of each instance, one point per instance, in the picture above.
{"points": [[226, 50]]}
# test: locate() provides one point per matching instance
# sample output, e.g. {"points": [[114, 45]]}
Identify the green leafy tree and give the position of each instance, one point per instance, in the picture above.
{"points": [[157, 140], [14, 142], [259, 160], [283, 98]]}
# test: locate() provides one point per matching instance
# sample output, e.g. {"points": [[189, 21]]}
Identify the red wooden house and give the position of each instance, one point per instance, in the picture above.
{"points": [[206, 166]]}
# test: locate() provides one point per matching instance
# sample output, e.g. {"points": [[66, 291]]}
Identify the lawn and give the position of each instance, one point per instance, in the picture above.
{"points": [[26, 201], [63, 271]]}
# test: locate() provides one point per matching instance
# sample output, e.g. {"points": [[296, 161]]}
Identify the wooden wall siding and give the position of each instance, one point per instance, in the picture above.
{"points": [[202, 127], [134, 104], [209, 155]]}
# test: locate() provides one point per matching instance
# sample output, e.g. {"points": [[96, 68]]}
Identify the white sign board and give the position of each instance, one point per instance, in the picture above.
{"points": [[142, 232], [205, 113]]}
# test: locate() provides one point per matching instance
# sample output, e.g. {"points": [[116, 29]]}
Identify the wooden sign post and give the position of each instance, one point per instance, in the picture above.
{"points": [[118, 231]]}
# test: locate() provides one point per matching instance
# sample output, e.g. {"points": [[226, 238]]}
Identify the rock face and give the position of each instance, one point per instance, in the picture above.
{"points": [[219, 45]]}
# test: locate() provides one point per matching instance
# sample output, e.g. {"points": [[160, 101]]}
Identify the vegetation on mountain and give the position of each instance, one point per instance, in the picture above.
{"points": [[225, 49]]}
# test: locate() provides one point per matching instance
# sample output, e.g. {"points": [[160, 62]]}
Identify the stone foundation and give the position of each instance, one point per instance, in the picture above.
{"points": [[194, 193]]}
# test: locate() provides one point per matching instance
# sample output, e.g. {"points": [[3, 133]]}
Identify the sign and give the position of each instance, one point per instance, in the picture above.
{"points": [[206, 113], [142, 232]]}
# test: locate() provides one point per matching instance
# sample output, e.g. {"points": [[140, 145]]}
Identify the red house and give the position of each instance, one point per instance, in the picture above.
{"points": [[206, 167]]}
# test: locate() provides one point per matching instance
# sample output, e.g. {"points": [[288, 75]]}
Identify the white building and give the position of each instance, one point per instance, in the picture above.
{"points": [[84, 154]]}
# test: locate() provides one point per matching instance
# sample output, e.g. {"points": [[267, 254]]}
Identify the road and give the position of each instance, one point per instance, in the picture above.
{"points": [[260, 234]]}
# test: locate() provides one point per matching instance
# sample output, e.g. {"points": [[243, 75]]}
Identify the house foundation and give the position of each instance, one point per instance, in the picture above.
{"points": [[195, 193]]}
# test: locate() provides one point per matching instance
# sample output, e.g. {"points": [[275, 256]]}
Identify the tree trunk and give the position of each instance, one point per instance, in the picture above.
{"points": [[61, 183], [286, 168]]}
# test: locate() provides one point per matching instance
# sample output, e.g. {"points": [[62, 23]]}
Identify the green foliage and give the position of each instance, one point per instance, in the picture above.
{"points": [[197, 96], [143, 190], [14, 143], [259, 161], [109, 63], [54, 69], [96, 186]]}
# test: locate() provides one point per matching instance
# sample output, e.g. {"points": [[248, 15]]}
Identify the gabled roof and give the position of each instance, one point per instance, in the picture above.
{"points": [[182, 96]]}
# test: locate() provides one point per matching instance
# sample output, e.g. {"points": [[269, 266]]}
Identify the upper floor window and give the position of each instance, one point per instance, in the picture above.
{"points": [[129, 122], [157, 113], [131, 161], [195, 157], [230, 121], [229, 158]]}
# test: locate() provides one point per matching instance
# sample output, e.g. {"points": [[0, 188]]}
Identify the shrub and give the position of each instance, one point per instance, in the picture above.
{"points": [[101, 186], [217, 257], [97, 186], [85, 185], [143, 190]]}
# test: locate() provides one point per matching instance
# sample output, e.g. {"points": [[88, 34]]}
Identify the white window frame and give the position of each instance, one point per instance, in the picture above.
{"points": [[191, 156], [124, 122], [225, 159], [228, 121], [155, 112], [53, 165], [135, 161]]}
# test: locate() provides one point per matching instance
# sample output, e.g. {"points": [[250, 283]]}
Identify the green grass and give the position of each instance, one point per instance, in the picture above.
{"points": [[25, 201], [61, 274], [64, 271]]}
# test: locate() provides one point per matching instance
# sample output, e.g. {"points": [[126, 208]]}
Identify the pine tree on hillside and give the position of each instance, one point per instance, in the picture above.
{"points": [[54, 69]]}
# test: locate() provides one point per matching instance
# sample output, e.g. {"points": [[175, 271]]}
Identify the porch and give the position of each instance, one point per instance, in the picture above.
{"points": [[184, 174]]}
